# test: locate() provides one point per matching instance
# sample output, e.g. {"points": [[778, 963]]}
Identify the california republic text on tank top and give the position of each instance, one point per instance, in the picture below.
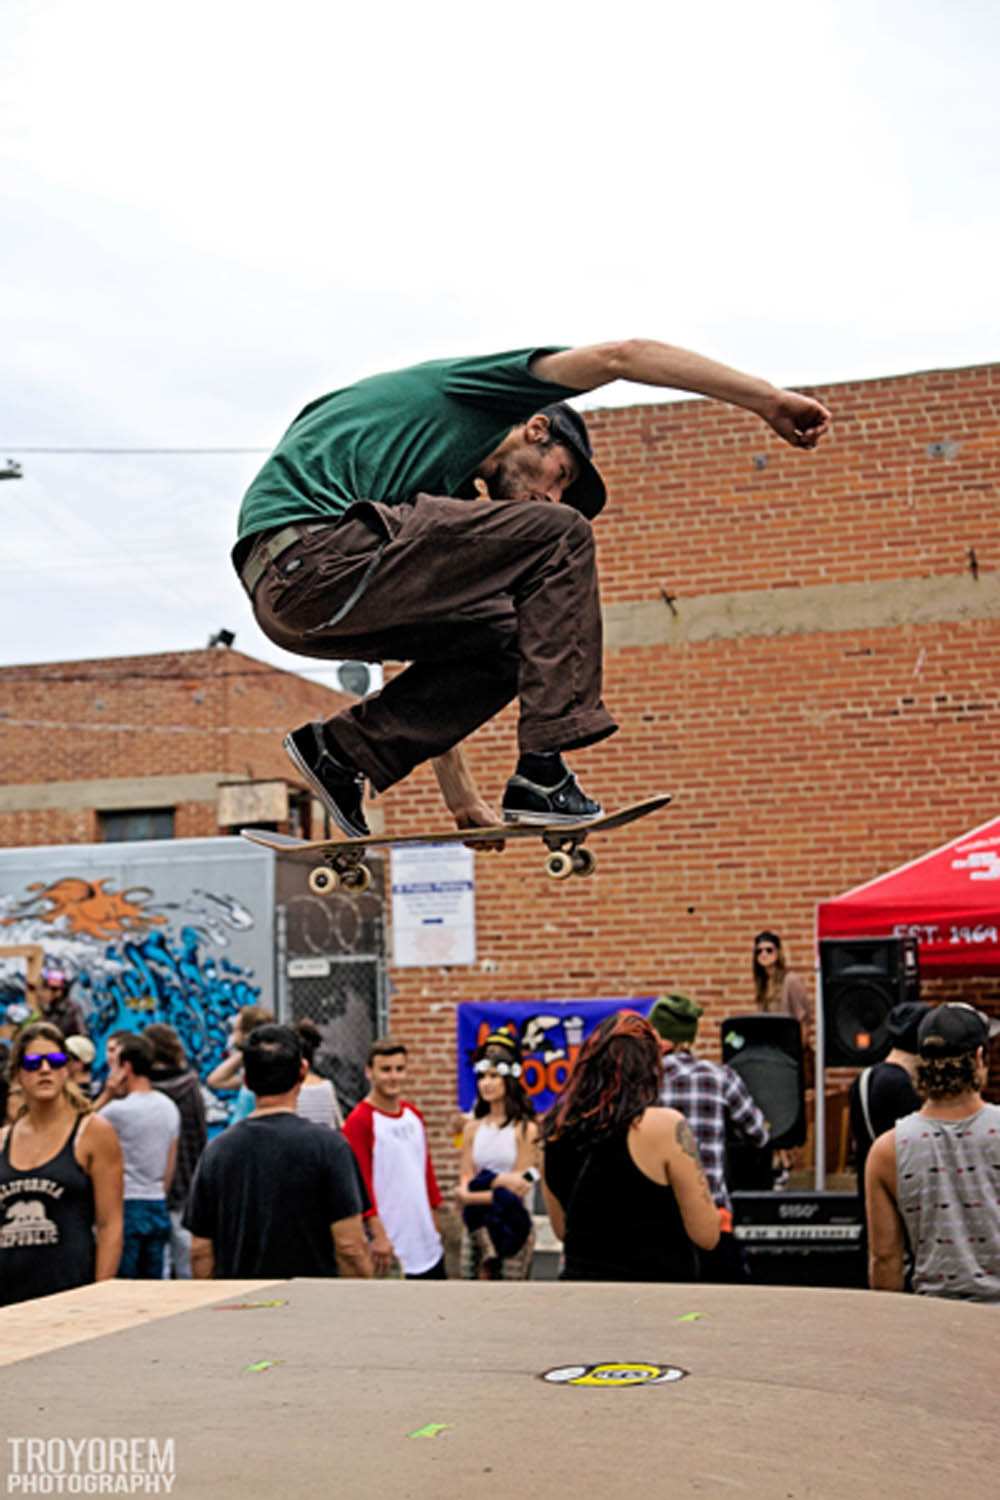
{"points": [[46, 1225]]}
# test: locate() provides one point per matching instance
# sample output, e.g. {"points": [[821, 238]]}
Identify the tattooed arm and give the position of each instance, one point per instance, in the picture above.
{"points": [[687, 1178]]}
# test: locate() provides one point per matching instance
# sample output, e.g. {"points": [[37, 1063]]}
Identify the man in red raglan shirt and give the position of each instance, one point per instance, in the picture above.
{"points": [[387, 1135]]}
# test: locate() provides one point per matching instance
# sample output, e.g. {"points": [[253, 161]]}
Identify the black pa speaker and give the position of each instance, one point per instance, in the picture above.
{"points": [[766, 1051], [863, 978]]}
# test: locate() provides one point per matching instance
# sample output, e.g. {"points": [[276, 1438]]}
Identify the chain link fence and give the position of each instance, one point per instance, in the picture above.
{"points": [[332, 969]]}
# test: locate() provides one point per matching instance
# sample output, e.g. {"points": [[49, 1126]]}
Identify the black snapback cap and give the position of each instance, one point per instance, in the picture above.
{"points": [[587, 493], [954, 1028]]}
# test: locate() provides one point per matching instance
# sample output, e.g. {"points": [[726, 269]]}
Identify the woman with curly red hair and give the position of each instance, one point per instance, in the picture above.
{"points": [[623, 1182]]}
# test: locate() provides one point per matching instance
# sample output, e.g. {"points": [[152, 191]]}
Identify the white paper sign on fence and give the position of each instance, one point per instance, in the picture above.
{"points": [[433, 905]]}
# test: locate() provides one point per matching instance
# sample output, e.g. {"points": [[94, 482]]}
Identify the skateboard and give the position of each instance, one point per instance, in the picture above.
{"points": [[341, 862]]}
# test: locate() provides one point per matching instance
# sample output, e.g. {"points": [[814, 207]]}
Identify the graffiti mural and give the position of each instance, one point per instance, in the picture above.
{"points": [[84, 908], [133, 959]]}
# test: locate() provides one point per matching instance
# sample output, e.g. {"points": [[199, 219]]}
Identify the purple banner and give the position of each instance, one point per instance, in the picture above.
{"points": [[550, 1033]]}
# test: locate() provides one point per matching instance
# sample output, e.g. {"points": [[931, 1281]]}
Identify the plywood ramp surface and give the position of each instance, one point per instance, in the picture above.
{"points": [[90, 1312], [420, 1391]]}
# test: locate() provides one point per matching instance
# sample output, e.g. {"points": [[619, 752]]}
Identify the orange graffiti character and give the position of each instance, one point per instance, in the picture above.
{"points": [[88, 908]]}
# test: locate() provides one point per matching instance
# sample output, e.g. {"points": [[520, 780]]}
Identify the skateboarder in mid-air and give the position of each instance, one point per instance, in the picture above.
{"points": [[441, 515]]}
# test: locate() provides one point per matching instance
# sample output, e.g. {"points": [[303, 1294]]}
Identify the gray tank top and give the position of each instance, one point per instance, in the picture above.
{"points": [[948, 1191]]}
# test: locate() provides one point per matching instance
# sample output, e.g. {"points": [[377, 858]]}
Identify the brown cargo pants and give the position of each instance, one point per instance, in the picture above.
{"points": [[487, 599]]}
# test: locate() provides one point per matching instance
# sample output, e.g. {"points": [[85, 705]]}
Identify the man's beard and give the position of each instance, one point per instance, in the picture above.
{"points": [[508, 482]]}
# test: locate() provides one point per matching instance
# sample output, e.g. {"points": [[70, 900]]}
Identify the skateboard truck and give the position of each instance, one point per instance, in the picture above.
{"points": [[346, 868], [567, 856]]}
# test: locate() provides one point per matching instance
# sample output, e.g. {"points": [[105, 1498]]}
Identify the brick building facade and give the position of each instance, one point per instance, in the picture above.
{"points": [[803, 648], [85, 744]]}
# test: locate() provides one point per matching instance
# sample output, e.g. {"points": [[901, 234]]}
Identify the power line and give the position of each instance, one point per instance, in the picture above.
{"points": [[17, 448], [143, 728], [111, 679]]}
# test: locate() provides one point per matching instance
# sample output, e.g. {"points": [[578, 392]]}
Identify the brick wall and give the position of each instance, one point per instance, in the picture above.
{"points": [[216, 712], [805, 754], [803, 648]]}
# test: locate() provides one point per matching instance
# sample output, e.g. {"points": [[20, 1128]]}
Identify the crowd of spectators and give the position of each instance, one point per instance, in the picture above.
{"points": [[631, 1159]]}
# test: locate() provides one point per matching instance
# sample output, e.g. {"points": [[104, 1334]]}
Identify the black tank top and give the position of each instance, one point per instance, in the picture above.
{"points": [[46, 1225], [620, 1224]]}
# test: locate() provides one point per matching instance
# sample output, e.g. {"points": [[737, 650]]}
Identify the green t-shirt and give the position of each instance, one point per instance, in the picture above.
{"points": [[426, 428]]}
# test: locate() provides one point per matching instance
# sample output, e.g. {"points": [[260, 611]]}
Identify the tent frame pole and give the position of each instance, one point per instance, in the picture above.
{"points": [[819, 1090]]}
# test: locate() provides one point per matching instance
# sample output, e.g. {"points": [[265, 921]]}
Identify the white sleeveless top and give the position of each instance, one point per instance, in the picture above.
{"points": [[318, 1103], [494, 1147]]}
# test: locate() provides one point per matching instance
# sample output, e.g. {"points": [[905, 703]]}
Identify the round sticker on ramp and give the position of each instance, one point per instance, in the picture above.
{"points": [[615, 1374]]}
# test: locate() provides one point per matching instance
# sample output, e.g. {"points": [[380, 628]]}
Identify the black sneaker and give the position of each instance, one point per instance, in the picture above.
{"points": [[525, 801], [338, 787]]}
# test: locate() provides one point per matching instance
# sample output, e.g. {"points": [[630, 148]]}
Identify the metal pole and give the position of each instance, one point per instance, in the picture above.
{"points": [[281, 963], [819, 1092]]}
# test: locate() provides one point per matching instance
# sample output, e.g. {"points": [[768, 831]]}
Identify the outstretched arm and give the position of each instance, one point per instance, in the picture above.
{"points": [[799, 420]]}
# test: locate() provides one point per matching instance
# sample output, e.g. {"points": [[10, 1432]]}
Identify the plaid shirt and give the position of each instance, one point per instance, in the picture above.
{"points": [[712, 1098]]}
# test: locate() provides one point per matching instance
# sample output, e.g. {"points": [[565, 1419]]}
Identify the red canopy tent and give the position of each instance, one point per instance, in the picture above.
{"points": [[949, 900]]}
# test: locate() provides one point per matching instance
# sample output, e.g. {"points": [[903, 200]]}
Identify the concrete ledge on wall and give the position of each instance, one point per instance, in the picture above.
{"points": [[803, 611], [115, 795]]}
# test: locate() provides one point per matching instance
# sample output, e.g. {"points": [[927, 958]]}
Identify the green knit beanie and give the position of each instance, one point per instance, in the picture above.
{"points": [[676, 1018]]}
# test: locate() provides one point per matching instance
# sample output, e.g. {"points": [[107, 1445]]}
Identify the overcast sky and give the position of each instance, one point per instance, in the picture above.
{"points": [[212, 212]]}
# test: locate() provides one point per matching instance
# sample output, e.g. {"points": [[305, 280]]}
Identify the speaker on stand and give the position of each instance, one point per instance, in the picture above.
{"points": [[863, 978], [860, 980], [765, 1049]]}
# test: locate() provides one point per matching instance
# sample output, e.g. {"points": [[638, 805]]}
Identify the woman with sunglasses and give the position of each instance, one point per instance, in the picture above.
{"points": [[623, 1182], [776, 987], [499, 1166], [60, 1178], [780, 991]]}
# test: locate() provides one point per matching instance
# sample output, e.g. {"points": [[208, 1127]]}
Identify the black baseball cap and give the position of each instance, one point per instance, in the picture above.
{"points": [[587, 493], [953, 1029]]}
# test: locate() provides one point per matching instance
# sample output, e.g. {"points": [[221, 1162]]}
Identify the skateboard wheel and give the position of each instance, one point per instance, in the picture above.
{"points": [[559, 865], [358, 879], [584, 862], [322, 881]]}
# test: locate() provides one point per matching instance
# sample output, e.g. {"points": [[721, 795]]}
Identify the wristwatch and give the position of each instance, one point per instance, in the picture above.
{"points": [[532, 1174]]}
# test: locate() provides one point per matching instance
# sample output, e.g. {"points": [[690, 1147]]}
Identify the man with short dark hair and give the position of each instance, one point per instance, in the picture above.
{"points": [[148, 1125], [388, 1137], [173, 1076], [933, 1181], [275, 1196], [416, 516], [714, 1100], [885, 1092]]}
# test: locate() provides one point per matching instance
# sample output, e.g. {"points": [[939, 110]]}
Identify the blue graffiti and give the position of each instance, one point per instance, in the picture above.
{"points": [[160, 980]]}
